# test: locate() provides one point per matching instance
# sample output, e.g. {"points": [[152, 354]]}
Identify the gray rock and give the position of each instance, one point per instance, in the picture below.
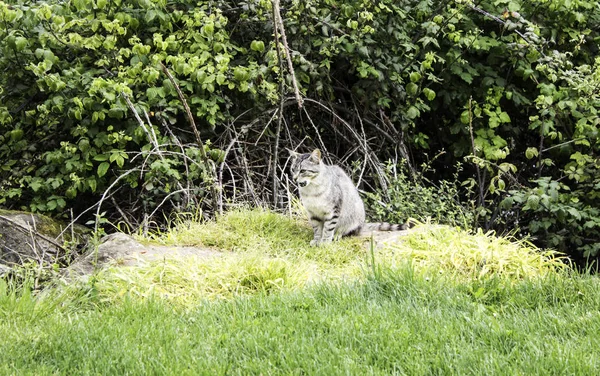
{"points": [[29, 237], [123, 250], [114, 247]]}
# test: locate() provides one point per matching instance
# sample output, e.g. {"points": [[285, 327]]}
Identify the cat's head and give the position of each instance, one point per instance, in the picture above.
{"points": [[305, 167]]}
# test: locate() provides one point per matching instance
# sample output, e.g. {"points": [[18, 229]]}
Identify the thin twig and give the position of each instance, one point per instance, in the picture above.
{"points": [[104, 195], [185, 162], [203, 155], [164, 200], [151, 135], [73, 221], [234, 140], [281, 101], [502, 171], [504, 23], [562, 144], [131, 227], [278, 21], [474, 151]]}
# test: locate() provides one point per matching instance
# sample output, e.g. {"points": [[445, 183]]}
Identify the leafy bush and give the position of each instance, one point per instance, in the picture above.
{"points": [[87, 98], [510, 85], [414, 196], [560, 216]]}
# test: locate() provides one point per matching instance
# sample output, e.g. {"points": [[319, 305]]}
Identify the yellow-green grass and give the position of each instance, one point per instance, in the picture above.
{"points": [[262, 232], [188, 281], [262, 251], [472, 255]]}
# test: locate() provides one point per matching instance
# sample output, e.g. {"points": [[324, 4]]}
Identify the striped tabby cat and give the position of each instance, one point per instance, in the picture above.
{"points": [[334, 207]]}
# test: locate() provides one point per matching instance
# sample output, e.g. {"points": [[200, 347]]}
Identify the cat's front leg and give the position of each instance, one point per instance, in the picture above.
{"points": [[317, 226], [329, 227]]}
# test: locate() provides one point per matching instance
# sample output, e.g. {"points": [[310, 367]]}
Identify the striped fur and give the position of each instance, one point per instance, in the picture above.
{"points": [[384, 226], [334, 206]]}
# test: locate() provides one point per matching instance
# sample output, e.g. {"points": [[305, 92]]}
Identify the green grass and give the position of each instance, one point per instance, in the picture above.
{"points": [[396, 322], [272, 305], [264, 232]]}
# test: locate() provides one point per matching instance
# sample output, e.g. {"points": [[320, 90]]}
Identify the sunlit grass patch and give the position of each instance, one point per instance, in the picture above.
{"points": [[473, 255], [265, 252], [188, 281], [263, 232], [261, 251], [239, 229]]}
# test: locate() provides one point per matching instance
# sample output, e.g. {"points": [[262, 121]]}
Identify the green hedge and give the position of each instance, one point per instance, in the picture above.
{"points": [[511, 86]]}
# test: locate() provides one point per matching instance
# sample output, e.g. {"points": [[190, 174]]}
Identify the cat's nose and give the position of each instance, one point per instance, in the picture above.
{"points": [[302, 183]]}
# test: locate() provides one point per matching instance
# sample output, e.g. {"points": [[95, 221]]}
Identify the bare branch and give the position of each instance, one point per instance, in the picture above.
{"points": [[278, 21], [203, 155]]}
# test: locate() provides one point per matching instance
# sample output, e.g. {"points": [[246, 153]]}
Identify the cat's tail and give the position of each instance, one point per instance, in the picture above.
{"points": [[385, 226]]}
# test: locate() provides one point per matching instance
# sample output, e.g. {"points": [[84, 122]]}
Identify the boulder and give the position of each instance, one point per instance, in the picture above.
{"points": [[120, 249], [31, 237], [117, 247]]}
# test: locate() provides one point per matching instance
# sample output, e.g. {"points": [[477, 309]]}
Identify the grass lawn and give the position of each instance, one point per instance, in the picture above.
{"points": [[299, 310]]}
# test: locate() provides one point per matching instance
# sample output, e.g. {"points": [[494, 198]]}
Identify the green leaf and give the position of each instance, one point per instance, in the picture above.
{"points": [[257, 45], [101, 157], [208, 29], [241, 74], [35, 185], [61, 203], [51, 205], [150, 15], [494, 121], [363, 51], [92, 183], [110, 96], [412, 113], [531, 153], [467, 77], [20, 43], [533, 202], [412, 88], [103, 168], [501, 184], [574, 212], [430, 94], [16, 135], [71, 192], [504, 118], [415, 76], [464, 117]]}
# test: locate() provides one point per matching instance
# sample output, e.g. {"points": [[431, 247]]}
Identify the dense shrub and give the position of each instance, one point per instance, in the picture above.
{"points": [[412, 195], [510, 86], [69, 68]]}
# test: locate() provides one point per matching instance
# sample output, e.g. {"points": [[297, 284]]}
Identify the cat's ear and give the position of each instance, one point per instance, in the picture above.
{"points": [[315, 156], [293, 154]]}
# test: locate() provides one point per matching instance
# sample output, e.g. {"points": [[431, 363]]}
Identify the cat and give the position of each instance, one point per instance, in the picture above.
{"points": [[334, 206]]}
